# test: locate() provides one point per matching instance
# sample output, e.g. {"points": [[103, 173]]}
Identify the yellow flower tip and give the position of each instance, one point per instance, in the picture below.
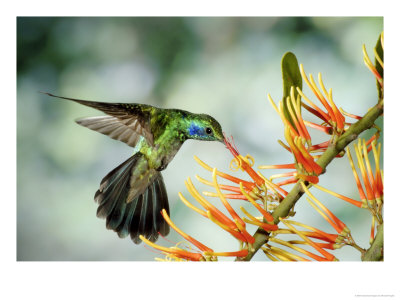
{"points": [[240, 253], [202, 163], [209, 194], [366, 57], [273, 103]]}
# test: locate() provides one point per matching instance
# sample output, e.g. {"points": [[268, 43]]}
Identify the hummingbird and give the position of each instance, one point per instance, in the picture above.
{"points": [[132, 196]]}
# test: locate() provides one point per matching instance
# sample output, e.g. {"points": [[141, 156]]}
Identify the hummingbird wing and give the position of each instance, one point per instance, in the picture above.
{"points": [[128, 131], [127, 122], [132, 205]]}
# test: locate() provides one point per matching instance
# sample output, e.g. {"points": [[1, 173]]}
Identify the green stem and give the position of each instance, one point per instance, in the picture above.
{"points": [[282, 210], [375, 252]]}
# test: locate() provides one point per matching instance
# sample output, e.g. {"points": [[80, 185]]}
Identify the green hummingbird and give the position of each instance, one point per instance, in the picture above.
{"points": [[131, 196]]}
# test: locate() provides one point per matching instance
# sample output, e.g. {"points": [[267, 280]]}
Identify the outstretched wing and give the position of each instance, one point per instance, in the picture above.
{"points": [[128, 131], [126, 122]]}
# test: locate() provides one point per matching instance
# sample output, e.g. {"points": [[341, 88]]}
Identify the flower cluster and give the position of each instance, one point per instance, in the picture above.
{"points": [[267, 196], [231, 222]]}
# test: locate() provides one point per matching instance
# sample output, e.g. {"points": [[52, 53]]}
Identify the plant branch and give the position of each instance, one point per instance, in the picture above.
{"points": [[375, 252], [282, 210]]}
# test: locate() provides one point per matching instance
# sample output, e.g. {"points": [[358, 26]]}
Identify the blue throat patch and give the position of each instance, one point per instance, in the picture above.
{"points": [[195, 130]]}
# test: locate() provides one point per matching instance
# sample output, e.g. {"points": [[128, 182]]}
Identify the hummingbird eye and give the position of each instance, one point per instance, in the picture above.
{"points": [[208, 130]]}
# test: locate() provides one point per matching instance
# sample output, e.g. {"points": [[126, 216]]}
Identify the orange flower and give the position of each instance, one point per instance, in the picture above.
{"points": [[371, 66], [243, 193], [373, 183], [299, 140], [317, 246], [235, 227], [243, 163], [184, 235], [336, 223], [347, 199], [250, 186], [176, 253], [333, 116]]}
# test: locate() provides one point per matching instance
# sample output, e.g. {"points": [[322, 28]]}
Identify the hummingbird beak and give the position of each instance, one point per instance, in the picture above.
{"points": [[223, 139]]}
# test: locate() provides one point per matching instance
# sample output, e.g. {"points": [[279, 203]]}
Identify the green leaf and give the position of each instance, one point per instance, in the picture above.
{"points": [[379, 51], [291, 77]]}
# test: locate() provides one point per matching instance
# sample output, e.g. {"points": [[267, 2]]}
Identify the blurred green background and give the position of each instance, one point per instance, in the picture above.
{"points": [[221, 66]]}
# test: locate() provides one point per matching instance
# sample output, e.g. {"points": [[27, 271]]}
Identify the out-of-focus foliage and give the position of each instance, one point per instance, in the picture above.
{"points": [[220, 66]]}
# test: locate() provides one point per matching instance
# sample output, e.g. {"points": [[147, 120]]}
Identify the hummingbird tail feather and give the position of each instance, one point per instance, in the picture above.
{"points": [[136, 215]]}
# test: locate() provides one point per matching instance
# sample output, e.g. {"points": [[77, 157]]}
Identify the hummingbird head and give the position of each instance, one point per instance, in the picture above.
{"points": [[203, 127]]}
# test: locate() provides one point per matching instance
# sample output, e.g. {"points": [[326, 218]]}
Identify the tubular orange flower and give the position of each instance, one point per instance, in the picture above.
{"points": [[274, 187], [265, 214], [315, 167], [283, 166], [244, 237], [296, 152], [320, 147], [249, 185], [325, 129], [378, 181], [175, 251], [373, 138], [293, 103], [235, 227], [221, 186], [337, 224], [327, 255], [255, 221], [184, 235], [313, 233], [292, 180], [361, 166], [291, 244], [237, 195], [276, 254], [208, 206], [334, 117], [373, 183], [358, 182], [371, 66], [333, 241], [329, 246], [296, 135], [347, 199], [315, 111], [240, 253], [312, 85], [350, 115], [229, 208], [208, 253], [372, 235], [243, 163]]}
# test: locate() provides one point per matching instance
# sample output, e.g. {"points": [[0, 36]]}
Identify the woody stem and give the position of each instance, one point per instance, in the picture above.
{"points": [[375, 252]]}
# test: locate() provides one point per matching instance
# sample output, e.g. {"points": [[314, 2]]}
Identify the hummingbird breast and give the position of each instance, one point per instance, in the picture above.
{"points": [[163, 151]]}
